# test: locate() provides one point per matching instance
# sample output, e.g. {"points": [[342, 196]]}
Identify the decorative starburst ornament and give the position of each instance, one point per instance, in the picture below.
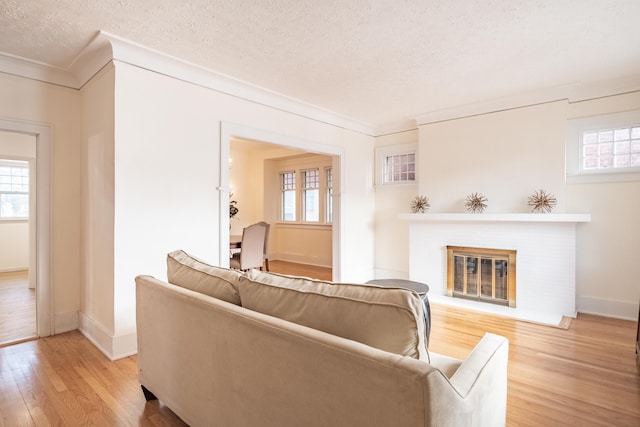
{"points": [[542, 202], [420, 204], [476, 203]]}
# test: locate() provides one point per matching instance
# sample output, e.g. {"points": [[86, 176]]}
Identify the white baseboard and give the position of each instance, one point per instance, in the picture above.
{"points": [[13, 269], [608, 308], [114, 347]]}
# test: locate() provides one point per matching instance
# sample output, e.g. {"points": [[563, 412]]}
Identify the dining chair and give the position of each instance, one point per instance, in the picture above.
{"points": [[266, 244], [251, 253]]}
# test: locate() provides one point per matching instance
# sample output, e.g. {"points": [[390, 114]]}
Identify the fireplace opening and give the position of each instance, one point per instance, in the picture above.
{"points": [[482, 274]]}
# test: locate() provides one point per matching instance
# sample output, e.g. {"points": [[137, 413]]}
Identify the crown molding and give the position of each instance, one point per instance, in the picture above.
{"points": [[141, 56], [601, 89], [540, 96], [34, 70], [105, 47], [571, 92]]}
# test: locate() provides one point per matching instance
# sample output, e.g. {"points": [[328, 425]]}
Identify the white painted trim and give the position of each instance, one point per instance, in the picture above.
{"points": [[574, 92], [229, 130], [106, 46], [29, 69], [514, 217], [13, 269], [44, 149], [608, 308], [114, 347], [134, 54]]}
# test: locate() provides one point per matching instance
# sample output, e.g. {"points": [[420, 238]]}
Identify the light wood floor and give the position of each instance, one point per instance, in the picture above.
{"points": [[17, 308], [585, 375]]}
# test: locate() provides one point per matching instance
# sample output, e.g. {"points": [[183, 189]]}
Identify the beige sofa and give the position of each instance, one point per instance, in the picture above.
{"points": [[222, 348]]}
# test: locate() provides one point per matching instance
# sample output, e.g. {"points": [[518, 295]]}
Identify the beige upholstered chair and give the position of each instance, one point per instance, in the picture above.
{"points": [[251, 253], [266, 245]]}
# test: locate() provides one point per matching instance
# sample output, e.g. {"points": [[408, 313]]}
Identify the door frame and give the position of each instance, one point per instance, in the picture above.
{"points": [[42, 260]]}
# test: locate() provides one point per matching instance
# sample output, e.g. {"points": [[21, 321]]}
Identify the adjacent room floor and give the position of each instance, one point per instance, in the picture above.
{"points": [[17, 308]]}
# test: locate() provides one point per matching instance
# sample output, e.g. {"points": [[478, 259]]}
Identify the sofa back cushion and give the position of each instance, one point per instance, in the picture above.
{"points": [[390, 319], [189, 272]]}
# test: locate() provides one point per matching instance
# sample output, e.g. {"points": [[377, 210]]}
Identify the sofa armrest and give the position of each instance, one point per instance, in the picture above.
{"points": [[486, 366]]}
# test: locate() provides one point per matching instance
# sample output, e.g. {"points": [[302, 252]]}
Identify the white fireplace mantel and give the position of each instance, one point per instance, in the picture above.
{"points": [[502, 217], [545, 245]]}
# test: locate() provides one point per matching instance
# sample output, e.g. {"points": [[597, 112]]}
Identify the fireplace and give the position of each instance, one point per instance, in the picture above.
{"points": [[546, 250], [482, 274]]}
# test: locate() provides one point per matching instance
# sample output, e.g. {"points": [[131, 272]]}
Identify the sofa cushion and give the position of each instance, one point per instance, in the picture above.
{"points": [[390, 319], [189, 272]]}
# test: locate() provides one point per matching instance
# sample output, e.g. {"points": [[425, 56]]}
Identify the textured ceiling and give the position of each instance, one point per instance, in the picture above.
{"points": [[372, 61]]}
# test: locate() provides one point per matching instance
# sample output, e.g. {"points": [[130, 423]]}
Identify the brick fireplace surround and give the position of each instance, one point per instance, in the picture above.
{"points": [[546, 248]]}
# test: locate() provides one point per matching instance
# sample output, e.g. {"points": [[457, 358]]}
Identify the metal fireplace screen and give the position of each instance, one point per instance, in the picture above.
{"points": [[482, 274]]}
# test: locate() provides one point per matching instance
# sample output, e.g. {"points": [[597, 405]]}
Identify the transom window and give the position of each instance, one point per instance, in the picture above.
{"points": [[400, 168], [611, 148], [604, 148], [14, 189], [397, 165]]}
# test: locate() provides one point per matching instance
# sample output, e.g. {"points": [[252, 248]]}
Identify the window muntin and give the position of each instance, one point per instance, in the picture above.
{"points": [[14, 189], [288, 198], [311, 195]]}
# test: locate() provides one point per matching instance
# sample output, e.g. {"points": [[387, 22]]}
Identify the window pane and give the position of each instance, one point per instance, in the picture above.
{"points": [[311, 206], [289, 205], [605, 136], [14, 205], [621, 134]]}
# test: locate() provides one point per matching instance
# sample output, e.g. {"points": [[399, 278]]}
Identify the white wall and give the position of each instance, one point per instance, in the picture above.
{"points": [[507, 156], [14, 235], [32, 101], [167, 178], [97, 317], [391, 234], [608, 247]]}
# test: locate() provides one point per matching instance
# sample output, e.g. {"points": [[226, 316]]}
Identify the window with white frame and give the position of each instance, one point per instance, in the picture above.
{"points": [[328, 173], [14, 189], [604, 148], [288, 197], [311, 195], [396, 164], [305, 196]]}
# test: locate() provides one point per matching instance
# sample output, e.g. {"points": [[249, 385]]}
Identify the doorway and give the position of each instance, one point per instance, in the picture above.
{"points": [[39, 136], [229, 131], [17, 234]]}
